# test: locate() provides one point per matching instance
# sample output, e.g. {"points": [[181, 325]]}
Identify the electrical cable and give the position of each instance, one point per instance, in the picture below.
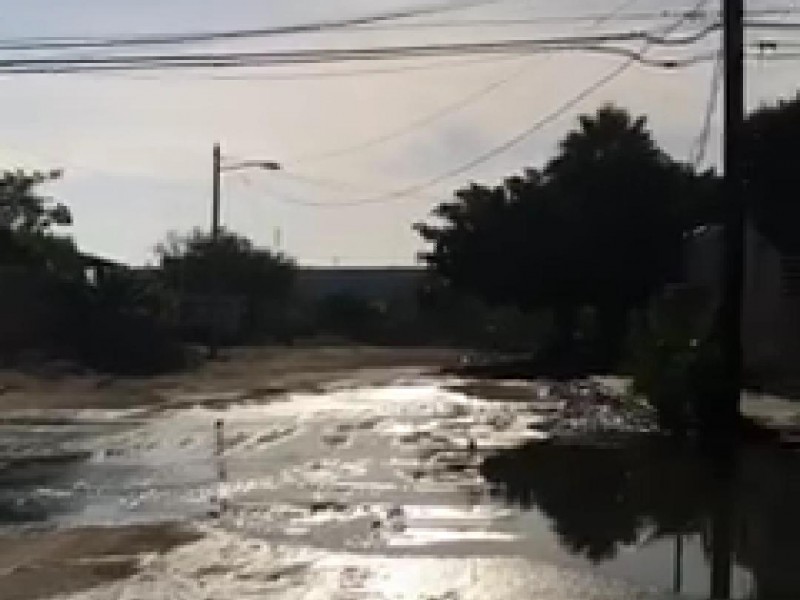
{"points": [[171, 39], [446, 63], [790, 25], [416, 123], [592, 44], [486, 156], [633, 55], [480, 93], [508, 144], [336, 184], [699, 148], [379, 22]]}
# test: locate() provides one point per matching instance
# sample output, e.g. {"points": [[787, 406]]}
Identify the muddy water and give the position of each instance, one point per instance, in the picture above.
{"points": [[424, 488]]}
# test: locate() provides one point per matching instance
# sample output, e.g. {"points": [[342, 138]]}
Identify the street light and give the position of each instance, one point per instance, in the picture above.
{"points": [[219, 168], [267, 165]]}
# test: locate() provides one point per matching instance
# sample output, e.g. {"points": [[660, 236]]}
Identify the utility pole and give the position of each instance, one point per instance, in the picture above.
{"points": [[217, 166], [215, 295], [734, 224], [214, 333]]}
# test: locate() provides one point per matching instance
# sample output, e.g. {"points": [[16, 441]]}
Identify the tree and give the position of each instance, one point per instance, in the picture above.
{"points": [[22, 210], [115, 323], [195, 264], [350, 316], [772, 177], [27, 219], [600, 226]]}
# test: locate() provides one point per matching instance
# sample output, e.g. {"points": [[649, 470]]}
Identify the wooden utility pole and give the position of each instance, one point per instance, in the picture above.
{"points": [[734, 225], [215, 198], [216, 268], [215, 296], [677, 565]]}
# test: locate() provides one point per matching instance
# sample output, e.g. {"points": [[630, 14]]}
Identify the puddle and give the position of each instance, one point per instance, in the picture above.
{"points": [[338, 494]]}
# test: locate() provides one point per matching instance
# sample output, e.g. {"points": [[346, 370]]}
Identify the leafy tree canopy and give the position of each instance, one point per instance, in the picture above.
{"points": [[193, 263], [23, 209], [27, 221], [772, 176], [600, 225]]}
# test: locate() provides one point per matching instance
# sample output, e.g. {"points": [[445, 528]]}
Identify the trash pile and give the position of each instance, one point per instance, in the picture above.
{"points": [[589, 408]]}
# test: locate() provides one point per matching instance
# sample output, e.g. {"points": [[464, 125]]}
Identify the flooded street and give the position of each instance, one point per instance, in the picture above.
{"points": [[423, 487]]}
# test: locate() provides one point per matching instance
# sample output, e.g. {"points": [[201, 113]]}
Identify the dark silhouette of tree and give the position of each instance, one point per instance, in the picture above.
{"points": [[350, 316], [603, 498], [110, 321], [22, 209], [118, 322], [27, 221], [244, 268], [194, 264], [600, 226], [772, 175]]}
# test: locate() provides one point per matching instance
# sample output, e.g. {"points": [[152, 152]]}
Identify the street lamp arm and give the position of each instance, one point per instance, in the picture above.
{"points": [[267, 165], [218, 170]]}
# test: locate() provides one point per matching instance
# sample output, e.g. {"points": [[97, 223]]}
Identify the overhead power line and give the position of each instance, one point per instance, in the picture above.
{"points": [[482, 92], [153, 65], [592, 44], [183, 38], [337, 185], [419, 122], [415, 189], [377, 22], [486, 156], [614, 13], [506, 23], [698, 151], [775, 56], [787, 25], [303, 75]]}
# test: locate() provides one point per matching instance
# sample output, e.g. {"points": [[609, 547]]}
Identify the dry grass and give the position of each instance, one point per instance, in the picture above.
{"points": [[243, 373]]}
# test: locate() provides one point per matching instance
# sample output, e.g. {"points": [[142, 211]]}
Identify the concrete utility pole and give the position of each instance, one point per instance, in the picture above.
{"points": [[734, 226]]}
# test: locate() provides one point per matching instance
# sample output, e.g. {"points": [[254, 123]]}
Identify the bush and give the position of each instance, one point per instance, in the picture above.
{"points": [[129, 344], [114, 326], [682, 377]]}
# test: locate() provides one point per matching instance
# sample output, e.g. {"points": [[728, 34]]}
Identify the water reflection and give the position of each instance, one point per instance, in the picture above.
{"points": [[31, 492], [743, 507]]}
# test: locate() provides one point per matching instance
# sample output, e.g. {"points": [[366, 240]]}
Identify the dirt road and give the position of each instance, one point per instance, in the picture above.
{"points": [[352, 475], [240, 373]]}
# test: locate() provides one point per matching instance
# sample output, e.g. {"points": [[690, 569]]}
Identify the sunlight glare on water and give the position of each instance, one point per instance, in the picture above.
{"points": [[421, 490]]}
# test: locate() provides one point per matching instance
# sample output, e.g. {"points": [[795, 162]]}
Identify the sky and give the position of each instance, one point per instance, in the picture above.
{"points": [[136, 149]]}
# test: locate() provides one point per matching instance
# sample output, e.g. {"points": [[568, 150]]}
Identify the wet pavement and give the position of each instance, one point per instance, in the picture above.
{"points": [[425, 488]]}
